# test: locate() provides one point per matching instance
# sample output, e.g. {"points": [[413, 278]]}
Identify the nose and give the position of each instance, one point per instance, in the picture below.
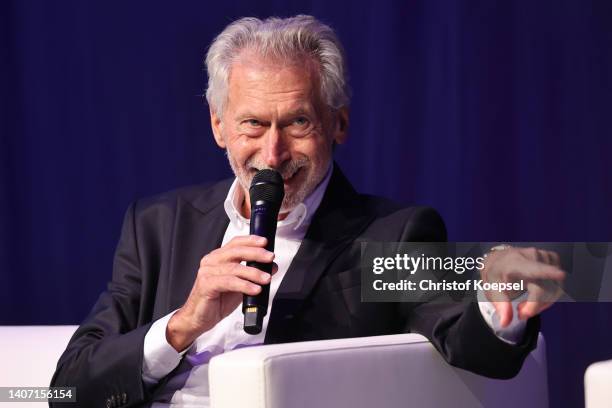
{"points": [[276, 151]]}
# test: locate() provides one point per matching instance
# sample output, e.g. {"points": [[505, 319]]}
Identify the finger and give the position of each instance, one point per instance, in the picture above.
{"points": [[241, 253], [504, 312], [540, 255], [556, 260], [533, 270], [215, 256], [230, 283], [247, 240], [541, 295], [544, 257], [549, 257], [545, 291], [529, 309], [247, 272], [274, 268], [530, 253], [521, 263]]}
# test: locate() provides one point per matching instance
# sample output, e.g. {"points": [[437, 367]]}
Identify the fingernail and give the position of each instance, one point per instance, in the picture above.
{"points": [[265, 276]]}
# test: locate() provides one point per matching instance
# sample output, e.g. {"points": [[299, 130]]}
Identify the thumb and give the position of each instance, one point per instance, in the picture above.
{"points": [[504, 312]]}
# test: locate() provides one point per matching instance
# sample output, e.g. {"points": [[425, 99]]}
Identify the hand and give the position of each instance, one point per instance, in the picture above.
{"points": [[219, 287], [538, 269]]}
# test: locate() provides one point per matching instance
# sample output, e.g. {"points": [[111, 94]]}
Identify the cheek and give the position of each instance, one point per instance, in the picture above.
{"points": [[242, 148], [318, 150]]}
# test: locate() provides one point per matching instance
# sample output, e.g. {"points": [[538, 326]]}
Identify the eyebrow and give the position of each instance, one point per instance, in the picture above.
{"points": [[297, 112], [292, 113]]}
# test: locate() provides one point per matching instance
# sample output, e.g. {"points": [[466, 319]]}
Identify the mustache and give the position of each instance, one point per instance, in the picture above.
{"points": [[286, 170]]}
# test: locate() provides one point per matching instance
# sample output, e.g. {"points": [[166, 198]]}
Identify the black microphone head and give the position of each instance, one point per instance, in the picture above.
{"points": [[268, 186]]}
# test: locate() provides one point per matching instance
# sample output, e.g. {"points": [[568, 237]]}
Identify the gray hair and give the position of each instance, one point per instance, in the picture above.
{"points": [[284, 39]]}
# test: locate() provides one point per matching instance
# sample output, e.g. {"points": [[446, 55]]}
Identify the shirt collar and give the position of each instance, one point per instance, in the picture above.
{"points": [[300, 216]]}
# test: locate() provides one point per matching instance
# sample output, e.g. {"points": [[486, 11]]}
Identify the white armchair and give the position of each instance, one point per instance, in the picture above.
{"points": [[28, 356], [598, 385], [385, 371]]}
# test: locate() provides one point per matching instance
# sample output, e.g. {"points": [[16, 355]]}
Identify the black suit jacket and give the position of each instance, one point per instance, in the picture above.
{"points": [[157, 258]]}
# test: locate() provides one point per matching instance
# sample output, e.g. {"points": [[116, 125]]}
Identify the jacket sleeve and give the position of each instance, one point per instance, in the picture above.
{"points": [[103, 359], [457, 329]]}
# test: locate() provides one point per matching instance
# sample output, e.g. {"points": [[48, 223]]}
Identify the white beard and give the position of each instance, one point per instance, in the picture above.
{"points": [[292, 198]]}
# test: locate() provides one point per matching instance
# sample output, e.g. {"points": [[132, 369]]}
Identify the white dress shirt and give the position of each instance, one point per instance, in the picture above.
{"points": [[188, 386]]}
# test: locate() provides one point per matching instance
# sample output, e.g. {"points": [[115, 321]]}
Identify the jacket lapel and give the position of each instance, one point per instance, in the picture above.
{"points": [[338, 221], [199, 229]]}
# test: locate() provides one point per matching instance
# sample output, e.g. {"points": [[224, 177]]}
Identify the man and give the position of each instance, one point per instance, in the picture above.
{"points": [[278, 99]]}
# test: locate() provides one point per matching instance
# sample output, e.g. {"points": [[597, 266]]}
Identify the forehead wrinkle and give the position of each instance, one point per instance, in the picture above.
{"points": [[268, 88], [271, 68], [256, 82]]}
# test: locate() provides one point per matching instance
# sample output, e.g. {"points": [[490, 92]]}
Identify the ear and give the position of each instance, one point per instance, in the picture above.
{"points": [[341, 123], [215, 123]]}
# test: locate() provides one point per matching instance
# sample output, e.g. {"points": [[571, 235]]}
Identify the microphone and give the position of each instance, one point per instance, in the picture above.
{"points": [[267, 191]]}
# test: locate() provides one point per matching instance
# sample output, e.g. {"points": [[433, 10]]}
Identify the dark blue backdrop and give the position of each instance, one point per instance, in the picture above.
{"points": [[498, 114]]}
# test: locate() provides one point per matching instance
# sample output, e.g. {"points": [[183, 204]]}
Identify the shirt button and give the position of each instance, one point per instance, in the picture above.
{"points": [[238, 325]]}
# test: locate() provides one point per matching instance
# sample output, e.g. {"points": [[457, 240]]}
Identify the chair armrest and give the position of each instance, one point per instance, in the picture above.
{"points": [[598, 385], [29, 354], [385, 371]]}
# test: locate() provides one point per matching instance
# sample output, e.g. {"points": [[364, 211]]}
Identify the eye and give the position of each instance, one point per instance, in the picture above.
{"points": [[300, 121], [252, 122]]}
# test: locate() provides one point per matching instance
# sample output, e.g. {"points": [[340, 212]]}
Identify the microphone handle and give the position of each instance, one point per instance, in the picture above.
{"points": [[254, 308]]}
